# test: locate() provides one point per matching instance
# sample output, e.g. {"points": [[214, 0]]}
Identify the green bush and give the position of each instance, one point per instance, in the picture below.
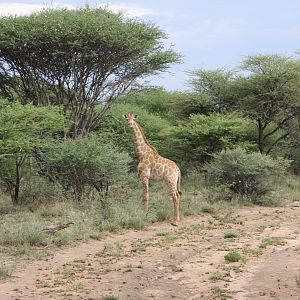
{"points": [[23, 129], [4, 272], [91, 162], [233, 256], [199, 137], [249, 175]]}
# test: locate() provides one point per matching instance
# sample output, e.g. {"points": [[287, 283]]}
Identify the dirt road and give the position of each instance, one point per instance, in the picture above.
{"points": [[184, 262]]}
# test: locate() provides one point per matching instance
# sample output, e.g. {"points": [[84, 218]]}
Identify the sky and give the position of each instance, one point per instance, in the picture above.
{"points": [[209, 34]]}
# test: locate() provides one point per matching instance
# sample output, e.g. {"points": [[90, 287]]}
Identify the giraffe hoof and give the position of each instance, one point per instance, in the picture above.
{"points": [[174, 224]]}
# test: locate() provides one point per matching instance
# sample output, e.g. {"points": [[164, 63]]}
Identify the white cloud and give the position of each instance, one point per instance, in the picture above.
{"points": [[129, 10], [19, 8]]}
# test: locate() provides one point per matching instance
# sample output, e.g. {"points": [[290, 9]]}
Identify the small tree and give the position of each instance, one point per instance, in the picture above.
{"points": [[23, 128], [245, 174], [270, 93], [90, 162], [82, 59]]}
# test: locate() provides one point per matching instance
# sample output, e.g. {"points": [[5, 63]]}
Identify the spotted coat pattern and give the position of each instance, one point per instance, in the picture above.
{"points": [[153, 166]]}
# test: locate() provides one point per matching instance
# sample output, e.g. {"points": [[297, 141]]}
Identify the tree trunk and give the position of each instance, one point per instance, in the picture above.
{"points": [[17, 183], [260, 137]]}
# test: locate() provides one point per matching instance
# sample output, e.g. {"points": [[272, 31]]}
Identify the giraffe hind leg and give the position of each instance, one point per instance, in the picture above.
{"points": [[176, 200], [145, 183]]}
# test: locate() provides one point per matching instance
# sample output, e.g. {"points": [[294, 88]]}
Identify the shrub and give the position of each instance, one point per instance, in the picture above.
{"points": [[91, 162], [233, 256], [273, 240], [4, 271], [23, 128], [199, 137], [246, 174], [230, 235]]}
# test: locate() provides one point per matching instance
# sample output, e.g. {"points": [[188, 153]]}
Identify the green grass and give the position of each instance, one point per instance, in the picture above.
{"points": [[24, 229], [110, 297], [290, 188], [78, 286], [230, 234], [217, 276], [140, 245], [207, 208], [4, 272], [114, 250], [220, 293], [233, 256], [162, 233], [272, 241], [43, 283]]}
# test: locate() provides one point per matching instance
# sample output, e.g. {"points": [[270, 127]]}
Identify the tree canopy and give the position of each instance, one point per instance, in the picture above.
{"points": [[78, 58], [270, 95]]}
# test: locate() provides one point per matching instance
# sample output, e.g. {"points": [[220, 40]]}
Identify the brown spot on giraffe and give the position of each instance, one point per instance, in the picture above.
{"points": [[153, 166]]}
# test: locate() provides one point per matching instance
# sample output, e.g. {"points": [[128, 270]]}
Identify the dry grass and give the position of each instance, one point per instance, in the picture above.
{"points": [[21, 227]]}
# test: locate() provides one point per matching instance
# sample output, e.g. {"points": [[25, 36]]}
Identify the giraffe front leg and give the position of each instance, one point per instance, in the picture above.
{"points": [[145, 182]]}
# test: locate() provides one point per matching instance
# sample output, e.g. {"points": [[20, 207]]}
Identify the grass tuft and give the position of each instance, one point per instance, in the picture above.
{"points": [[233, 256], [207, 208], [4, 272], [272, 241], [230, 235], [110, 297]]}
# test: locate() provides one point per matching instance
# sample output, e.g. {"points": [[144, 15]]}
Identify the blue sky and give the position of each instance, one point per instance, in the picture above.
{"points": [[207, 33]]}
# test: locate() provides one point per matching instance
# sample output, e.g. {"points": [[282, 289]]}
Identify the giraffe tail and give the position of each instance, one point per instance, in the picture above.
{"points": [[178, 183]]}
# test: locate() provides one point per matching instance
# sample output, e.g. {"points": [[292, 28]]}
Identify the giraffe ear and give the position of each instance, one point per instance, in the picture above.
{"points": [[125, 117], [135, 116]]}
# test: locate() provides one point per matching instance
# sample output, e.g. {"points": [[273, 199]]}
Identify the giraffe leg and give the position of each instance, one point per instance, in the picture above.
{"points": [[145, 183], [176, 199]]}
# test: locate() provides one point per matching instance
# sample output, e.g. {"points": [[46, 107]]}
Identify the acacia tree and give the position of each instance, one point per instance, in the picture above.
{"points": [[214, 90], [82, 59], [269, 89]]}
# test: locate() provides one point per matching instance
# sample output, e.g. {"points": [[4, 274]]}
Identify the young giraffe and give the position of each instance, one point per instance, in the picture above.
{"points": [[153, 166]]}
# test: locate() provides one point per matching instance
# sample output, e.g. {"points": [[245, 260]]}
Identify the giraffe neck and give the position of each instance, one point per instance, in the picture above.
{"points": [[142, 146]]}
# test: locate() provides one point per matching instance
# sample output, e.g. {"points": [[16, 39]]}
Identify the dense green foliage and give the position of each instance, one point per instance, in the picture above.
{"points": [[78, 58], [23, 128], [91, 162], [199, 137], [247, 174], [270, 95], [74, 73], [172, 106], [216, 88]]}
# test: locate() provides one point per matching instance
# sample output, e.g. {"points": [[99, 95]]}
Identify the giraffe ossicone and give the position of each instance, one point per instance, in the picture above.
{"points": [[153, 166]]}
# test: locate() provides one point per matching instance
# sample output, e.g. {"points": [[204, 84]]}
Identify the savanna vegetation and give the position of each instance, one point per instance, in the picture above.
{"points": [[66, 154]]}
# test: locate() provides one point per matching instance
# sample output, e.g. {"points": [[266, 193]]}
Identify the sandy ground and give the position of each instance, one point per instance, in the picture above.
{"points": [[166, 262]]}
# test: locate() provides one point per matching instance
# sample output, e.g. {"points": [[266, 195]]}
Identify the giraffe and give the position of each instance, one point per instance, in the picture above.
{"points": [[152, 166]]}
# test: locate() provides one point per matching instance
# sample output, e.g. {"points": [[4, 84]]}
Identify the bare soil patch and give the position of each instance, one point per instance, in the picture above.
{"points": [[184, 262]]}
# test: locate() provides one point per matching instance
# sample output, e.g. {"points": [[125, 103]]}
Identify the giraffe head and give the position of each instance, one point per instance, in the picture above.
{"points": [[130, 117]]}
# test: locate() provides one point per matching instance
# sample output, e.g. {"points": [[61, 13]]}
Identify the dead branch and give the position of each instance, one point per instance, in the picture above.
{"points": [[52, 230]]}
